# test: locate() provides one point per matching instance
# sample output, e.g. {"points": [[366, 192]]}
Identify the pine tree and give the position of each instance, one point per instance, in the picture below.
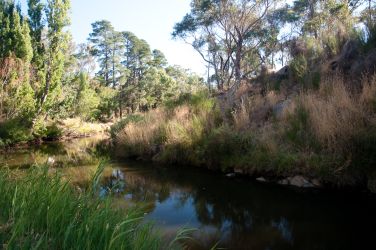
{"points": [[102, 39]]}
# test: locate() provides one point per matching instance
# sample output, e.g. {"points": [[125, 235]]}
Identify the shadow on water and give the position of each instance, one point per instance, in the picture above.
{"points": [[237, 213], [241, 214]]}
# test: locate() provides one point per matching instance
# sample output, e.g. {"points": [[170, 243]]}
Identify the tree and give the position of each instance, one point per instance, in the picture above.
{"points": [[87, 100], [35, 12], [57, 13], [16, 53], [84, 59], [159, 60], [136, 61], [225, 33], [108, 49]]}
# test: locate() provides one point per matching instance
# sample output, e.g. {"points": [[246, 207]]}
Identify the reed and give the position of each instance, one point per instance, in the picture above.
{"points": [[41, 210]]}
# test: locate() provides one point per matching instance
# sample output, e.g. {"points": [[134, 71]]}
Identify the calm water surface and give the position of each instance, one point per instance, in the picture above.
{"points": [[235, 213]]}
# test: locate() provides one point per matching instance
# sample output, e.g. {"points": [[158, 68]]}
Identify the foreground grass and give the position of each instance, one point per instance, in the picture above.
{"points": [[40, 211]]}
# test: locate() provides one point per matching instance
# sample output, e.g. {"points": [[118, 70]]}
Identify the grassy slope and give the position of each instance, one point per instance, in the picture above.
{"points": [[328, 133]]}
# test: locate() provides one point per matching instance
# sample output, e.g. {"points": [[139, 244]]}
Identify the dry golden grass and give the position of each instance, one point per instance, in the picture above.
{"points": [[337, 115], [143, 133], [185, 124], [78, 127], [254, 111], [369, 93], [241, 116]]}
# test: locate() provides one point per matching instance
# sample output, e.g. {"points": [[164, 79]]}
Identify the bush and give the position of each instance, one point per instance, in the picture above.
{"points": [[47, 131], [53, 132], [298, 68], [15, 131]]}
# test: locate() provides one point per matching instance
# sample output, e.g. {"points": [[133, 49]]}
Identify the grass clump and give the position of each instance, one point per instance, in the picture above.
{"points": [[42, 211]]}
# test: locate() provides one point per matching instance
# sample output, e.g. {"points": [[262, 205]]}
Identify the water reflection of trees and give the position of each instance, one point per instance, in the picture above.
{"points": [[78, 152], [243, 214]]}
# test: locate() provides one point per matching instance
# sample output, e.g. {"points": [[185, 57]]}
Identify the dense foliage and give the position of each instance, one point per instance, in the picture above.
{"points": [[42, 69]]}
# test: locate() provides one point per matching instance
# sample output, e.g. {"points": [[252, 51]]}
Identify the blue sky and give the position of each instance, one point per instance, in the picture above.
{"points": [[152, 20]]}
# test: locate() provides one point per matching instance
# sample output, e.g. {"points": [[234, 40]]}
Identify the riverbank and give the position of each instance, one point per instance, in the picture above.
{"points": [[15, 134], [323, 136]]}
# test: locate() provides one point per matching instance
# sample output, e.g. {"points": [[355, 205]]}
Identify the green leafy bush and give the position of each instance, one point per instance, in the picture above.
{"points": [[298, 68], [14, 131]]}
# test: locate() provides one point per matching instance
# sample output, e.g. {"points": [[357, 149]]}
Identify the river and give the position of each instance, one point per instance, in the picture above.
{"points": [[231, 213]]}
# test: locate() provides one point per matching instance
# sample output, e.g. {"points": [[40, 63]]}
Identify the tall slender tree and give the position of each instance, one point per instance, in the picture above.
{"points": [[102, 38], [57, 15], [35, 12]]}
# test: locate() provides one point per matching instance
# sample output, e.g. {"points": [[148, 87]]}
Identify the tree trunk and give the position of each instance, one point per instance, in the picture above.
{"points": [[238, 61]]}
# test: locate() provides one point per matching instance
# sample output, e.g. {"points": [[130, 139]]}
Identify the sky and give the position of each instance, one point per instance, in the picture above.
{"points": [[151, 20]]}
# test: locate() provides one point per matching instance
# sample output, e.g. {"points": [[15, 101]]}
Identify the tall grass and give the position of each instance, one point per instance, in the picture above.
{"points": [[40, 211], [336, 115], [171, 132], [328, 132]]}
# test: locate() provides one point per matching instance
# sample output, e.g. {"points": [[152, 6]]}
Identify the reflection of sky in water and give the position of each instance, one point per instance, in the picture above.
{"points": [[172, 212], [284, 228]]}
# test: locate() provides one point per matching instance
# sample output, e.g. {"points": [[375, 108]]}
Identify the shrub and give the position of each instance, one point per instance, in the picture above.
{"points": [[298, 68], [15, 131], [47, 130], [53, 132]]}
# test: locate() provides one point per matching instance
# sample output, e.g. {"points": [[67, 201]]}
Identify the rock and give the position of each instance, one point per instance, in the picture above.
{"points": [[283, 72], [372, 185], [50, 161], [261, 179], [308, 185], [316, 183], [239, 171], [230, 175], [299, 181], [283, 182]]}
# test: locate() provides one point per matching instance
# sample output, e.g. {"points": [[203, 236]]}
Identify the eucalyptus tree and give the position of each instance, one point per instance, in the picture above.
{"points": [[225, 32]]}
